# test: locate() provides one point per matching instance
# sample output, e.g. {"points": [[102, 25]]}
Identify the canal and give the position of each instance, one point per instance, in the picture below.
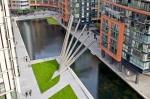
{"points": [[43, 40]]}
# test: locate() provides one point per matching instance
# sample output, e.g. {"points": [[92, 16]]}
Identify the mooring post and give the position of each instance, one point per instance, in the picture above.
{"points": [[121, 67], [137, 78]]}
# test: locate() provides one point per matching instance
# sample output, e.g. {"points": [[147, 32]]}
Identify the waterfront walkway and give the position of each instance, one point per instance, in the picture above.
{"points": [[28, 81], [40, 15], [143, 88]]}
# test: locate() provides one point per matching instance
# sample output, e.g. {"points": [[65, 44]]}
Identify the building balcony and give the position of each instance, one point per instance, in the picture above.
{"points": [[140, 64], [126, 6], [141, 36], [142, 5]]}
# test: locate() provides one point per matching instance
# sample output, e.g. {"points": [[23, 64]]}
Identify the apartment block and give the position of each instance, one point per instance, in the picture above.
{"points": [[51, 4], [85, 10], [125, 32], [19, 4]]}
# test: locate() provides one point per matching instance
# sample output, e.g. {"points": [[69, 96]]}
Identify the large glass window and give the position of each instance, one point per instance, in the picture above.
{"points": [[105, 26], [138, 46], [139, 63], [114, 31], [105, 41], [113, 46], [148, 57]]}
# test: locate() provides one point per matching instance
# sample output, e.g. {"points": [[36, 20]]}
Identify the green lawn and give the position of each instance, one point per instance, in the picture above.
{"points": [[65, 93], [52, 21], [43, 73], [2, 97]]}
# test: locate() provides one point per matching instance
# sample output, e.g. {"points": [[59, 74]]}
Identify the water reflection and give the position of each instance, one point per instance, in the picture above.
{"points": [[86, 67], [100, 80], [41, 40]]}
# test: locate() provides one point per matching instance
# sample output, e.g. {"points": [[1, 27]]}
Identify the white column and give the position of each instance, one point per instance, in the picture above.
{"points": [[7, 52], [12, 45], [3, 63]]}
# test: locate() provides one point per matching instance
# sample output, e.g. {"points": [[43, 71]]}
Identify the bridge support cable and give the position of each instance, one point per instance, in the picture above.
{"points": [[72, 38], [72, 50], [66, 37]]}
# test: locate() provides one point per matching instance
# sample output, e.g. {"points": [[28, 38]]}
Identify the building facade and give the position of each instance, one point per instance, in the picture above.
{"points": [[65, 10], [44, 3], [125, 32], [19, 4], [9, 75], [86, 10]]}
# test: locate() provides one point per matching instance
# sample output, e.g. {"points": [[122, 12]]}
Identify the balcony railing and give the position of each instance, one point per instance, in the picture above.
{"points": [[134, 4]]}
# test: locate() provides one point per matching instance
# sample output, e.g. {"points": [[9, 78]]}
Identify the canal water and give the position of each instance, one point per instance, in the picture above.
{"points": [[43, 40]]}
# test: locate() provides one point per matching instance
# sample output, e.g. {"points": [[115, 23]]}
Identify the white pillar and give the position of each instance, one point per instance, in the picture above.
{"points": [[4, 59], [9, 56]]}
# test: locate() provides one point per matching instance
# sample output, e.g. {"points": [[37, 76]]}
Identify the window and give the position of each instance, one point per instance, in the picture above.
{"points": [[114, 31], [105, 26], [113, 46], [105, 41], [148, 57], [138, 46]]}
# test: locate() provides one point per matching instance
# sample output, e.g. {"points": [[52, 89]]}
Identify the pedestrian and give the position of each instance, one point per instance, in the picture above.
{"points": [[95, 37], [30, 92], [26, 58], [26, 94], [88, 33]]}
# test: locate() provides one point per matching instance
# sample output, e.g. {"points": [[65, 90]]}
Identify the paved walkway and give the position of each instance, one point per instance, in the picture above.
{"points": [[143, 88], [28, 81]]}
